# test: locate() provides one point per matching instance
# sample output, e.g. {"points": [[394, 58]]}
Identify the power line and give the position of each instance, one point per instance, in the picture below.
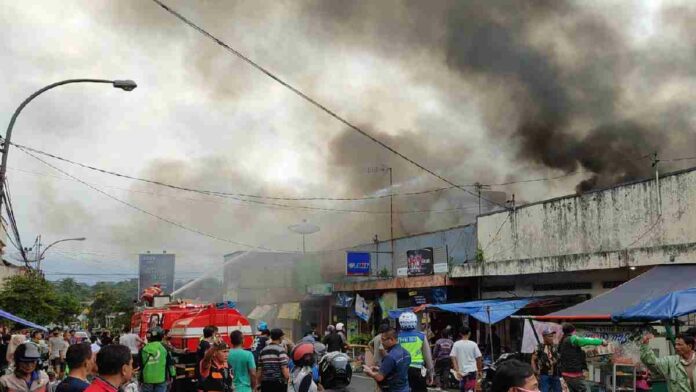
{"points": [[130, 205], [315, 102], [237, 196], [169, 221]]}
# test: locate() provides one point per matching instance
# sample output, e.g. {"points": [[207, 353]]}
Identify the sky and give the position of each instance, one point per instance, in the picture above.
{"points": [[477, 92]]}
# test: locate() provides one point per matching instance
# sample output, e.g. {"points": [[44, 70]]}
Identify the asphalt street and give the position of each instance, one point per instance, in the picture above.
{"points": [[361, 383]]}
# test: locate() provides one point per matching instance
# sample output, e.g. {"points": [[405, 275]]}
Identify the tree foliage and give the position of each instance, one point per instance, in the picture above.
{"points": [[113, 299], [30, 297]]}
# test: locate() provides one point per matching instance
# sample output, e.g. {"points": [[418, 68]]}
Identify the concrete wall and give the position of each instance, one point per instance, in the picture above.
{"points": [[631, 224], [557, 283], [7, 271]]}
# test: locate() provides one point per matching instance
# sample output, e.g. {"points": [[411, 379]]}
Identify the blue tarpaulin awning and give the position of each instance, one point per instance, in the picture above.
{"points": [[489, 311], [666, 307], [20, 320], [653, 284]]}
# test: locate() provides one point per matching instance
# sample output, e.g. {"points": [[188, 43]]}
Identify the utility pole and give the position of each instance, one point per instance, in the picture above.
{"points": [[391, 219], [655, 162], [391, 209], [480, 187], [376, 241]]}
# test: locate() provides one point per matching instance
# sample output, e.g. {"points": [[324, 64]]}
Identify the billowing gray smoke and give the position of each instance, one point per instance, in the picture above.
{"points": [[555, 85]]}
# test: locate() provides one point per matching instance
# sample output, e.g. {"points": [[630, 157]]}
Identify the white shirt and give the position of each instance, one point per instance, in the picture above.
{"points": [[95, 348], [130, 340], [466, 353]]}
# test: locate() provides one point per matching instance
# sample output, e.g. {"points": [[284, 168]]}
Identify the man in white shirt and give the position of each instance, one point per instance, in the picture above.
{"points": [[133, 342], [466, 360]]}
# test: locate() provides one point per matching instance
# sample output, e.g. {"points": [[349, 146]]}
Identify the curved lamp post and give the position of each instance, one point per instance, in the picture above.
{"points": [[41, 255], [125, 85]]}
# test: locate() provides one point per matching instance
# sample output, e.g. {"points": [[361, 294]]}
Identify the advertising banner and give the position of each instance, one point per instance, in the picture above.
{"points": [[419, 262], [358, 263], [362, 309], [156, 268]]}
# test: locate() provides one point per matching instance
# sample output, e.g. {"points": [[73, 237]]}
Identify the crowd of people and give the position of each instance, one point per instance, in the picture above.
{"points": [[402, 361]]}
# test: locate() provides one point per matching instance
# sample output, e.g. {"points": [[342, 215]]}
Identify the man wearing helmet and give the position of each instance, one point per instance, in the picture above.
{"points": [[302, 378], [157, 363], [416, 343], [26, 377]]}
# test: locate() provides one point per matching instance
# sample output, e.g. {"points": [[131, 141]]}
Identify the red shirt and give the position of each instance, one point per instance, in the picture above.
{"points": [[101, 385]]}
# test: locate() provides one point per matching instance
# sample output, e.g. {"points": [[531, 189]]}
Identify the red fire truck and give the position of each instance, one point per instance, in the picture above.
{"points": [[185, 323]]}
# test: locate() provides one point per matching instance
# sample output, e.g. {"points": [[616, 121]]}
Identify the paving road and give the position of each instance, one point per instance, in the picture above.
{"points": [[361, 383]]}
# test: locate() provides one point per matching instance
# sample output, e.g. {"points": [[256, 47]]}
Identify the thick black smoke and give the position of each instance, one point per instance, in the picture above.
{"points": [[553, 95]]}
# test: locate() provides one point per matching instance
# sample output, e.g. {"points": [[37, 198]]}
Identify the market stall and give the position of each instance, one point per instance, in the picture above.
{"points": [[653, 299]]}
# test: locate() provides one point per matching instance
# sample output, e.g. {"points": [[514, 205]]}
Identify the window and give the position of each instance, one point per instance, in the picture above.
{"points": [[612, 283], [563, 286]]}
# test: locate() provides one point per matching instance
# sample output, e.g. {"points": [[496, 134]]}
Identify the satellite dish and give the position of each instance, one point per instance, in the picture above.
{"points": [[304, 228]]}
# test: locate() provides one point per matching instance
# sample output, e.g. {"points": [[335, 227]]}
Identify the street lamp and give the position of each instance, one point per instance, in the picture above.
{"points": [[42, 253], [125, 85]]}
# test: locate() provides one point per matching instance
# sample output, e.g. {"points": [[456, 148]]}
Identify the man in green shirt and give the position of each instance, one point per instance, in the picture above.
{"points": [[678, 369], [157, 363], [242, 364]]}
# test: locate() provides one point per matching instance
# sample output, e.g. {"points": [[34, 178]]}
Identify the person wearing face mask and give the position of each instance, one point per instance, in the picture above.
{"points": [[26, 376], [115, 369], [678, 369], [515, 376]]}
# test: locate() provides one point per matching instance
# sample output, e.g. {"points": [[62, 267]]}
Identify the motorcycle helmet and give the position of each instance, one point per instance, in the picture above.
{"points": [[303, 354], [339, 327], [408, 321], [320, 349], [27, 352], [262, 326], [335, 370], [155, 334]]}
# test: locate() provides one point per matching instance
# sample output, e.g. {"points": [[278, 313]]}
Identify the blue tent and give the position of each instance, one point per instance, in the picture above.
{"points": [[654, 283], [488, 311], [665, 307], [20, 320]]}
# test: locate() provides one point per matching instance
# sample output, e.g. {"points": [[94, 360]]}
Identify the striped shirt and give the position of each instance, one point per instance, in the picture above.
{"points": [[271, 362]]}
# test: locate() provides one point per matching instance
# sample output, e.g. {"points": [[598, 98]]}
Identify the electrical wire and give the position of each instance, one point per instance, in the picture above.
{"points": [[231, 195], [172, 222], [133, 206], [284, 207], [316, 103], [13, 222]]}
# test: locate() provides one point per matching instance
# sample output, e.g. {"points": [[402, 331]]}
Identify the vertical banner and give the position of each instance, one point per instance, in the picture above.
{"points": [[156, 269], [419, 262], [362, 309]]}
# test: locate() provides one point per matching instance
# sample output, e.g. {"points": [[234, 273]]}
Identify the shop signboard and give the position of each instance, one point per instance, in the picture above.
{"points": [[431, 295], [419, 262], [321, 289], [357, 263]]}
